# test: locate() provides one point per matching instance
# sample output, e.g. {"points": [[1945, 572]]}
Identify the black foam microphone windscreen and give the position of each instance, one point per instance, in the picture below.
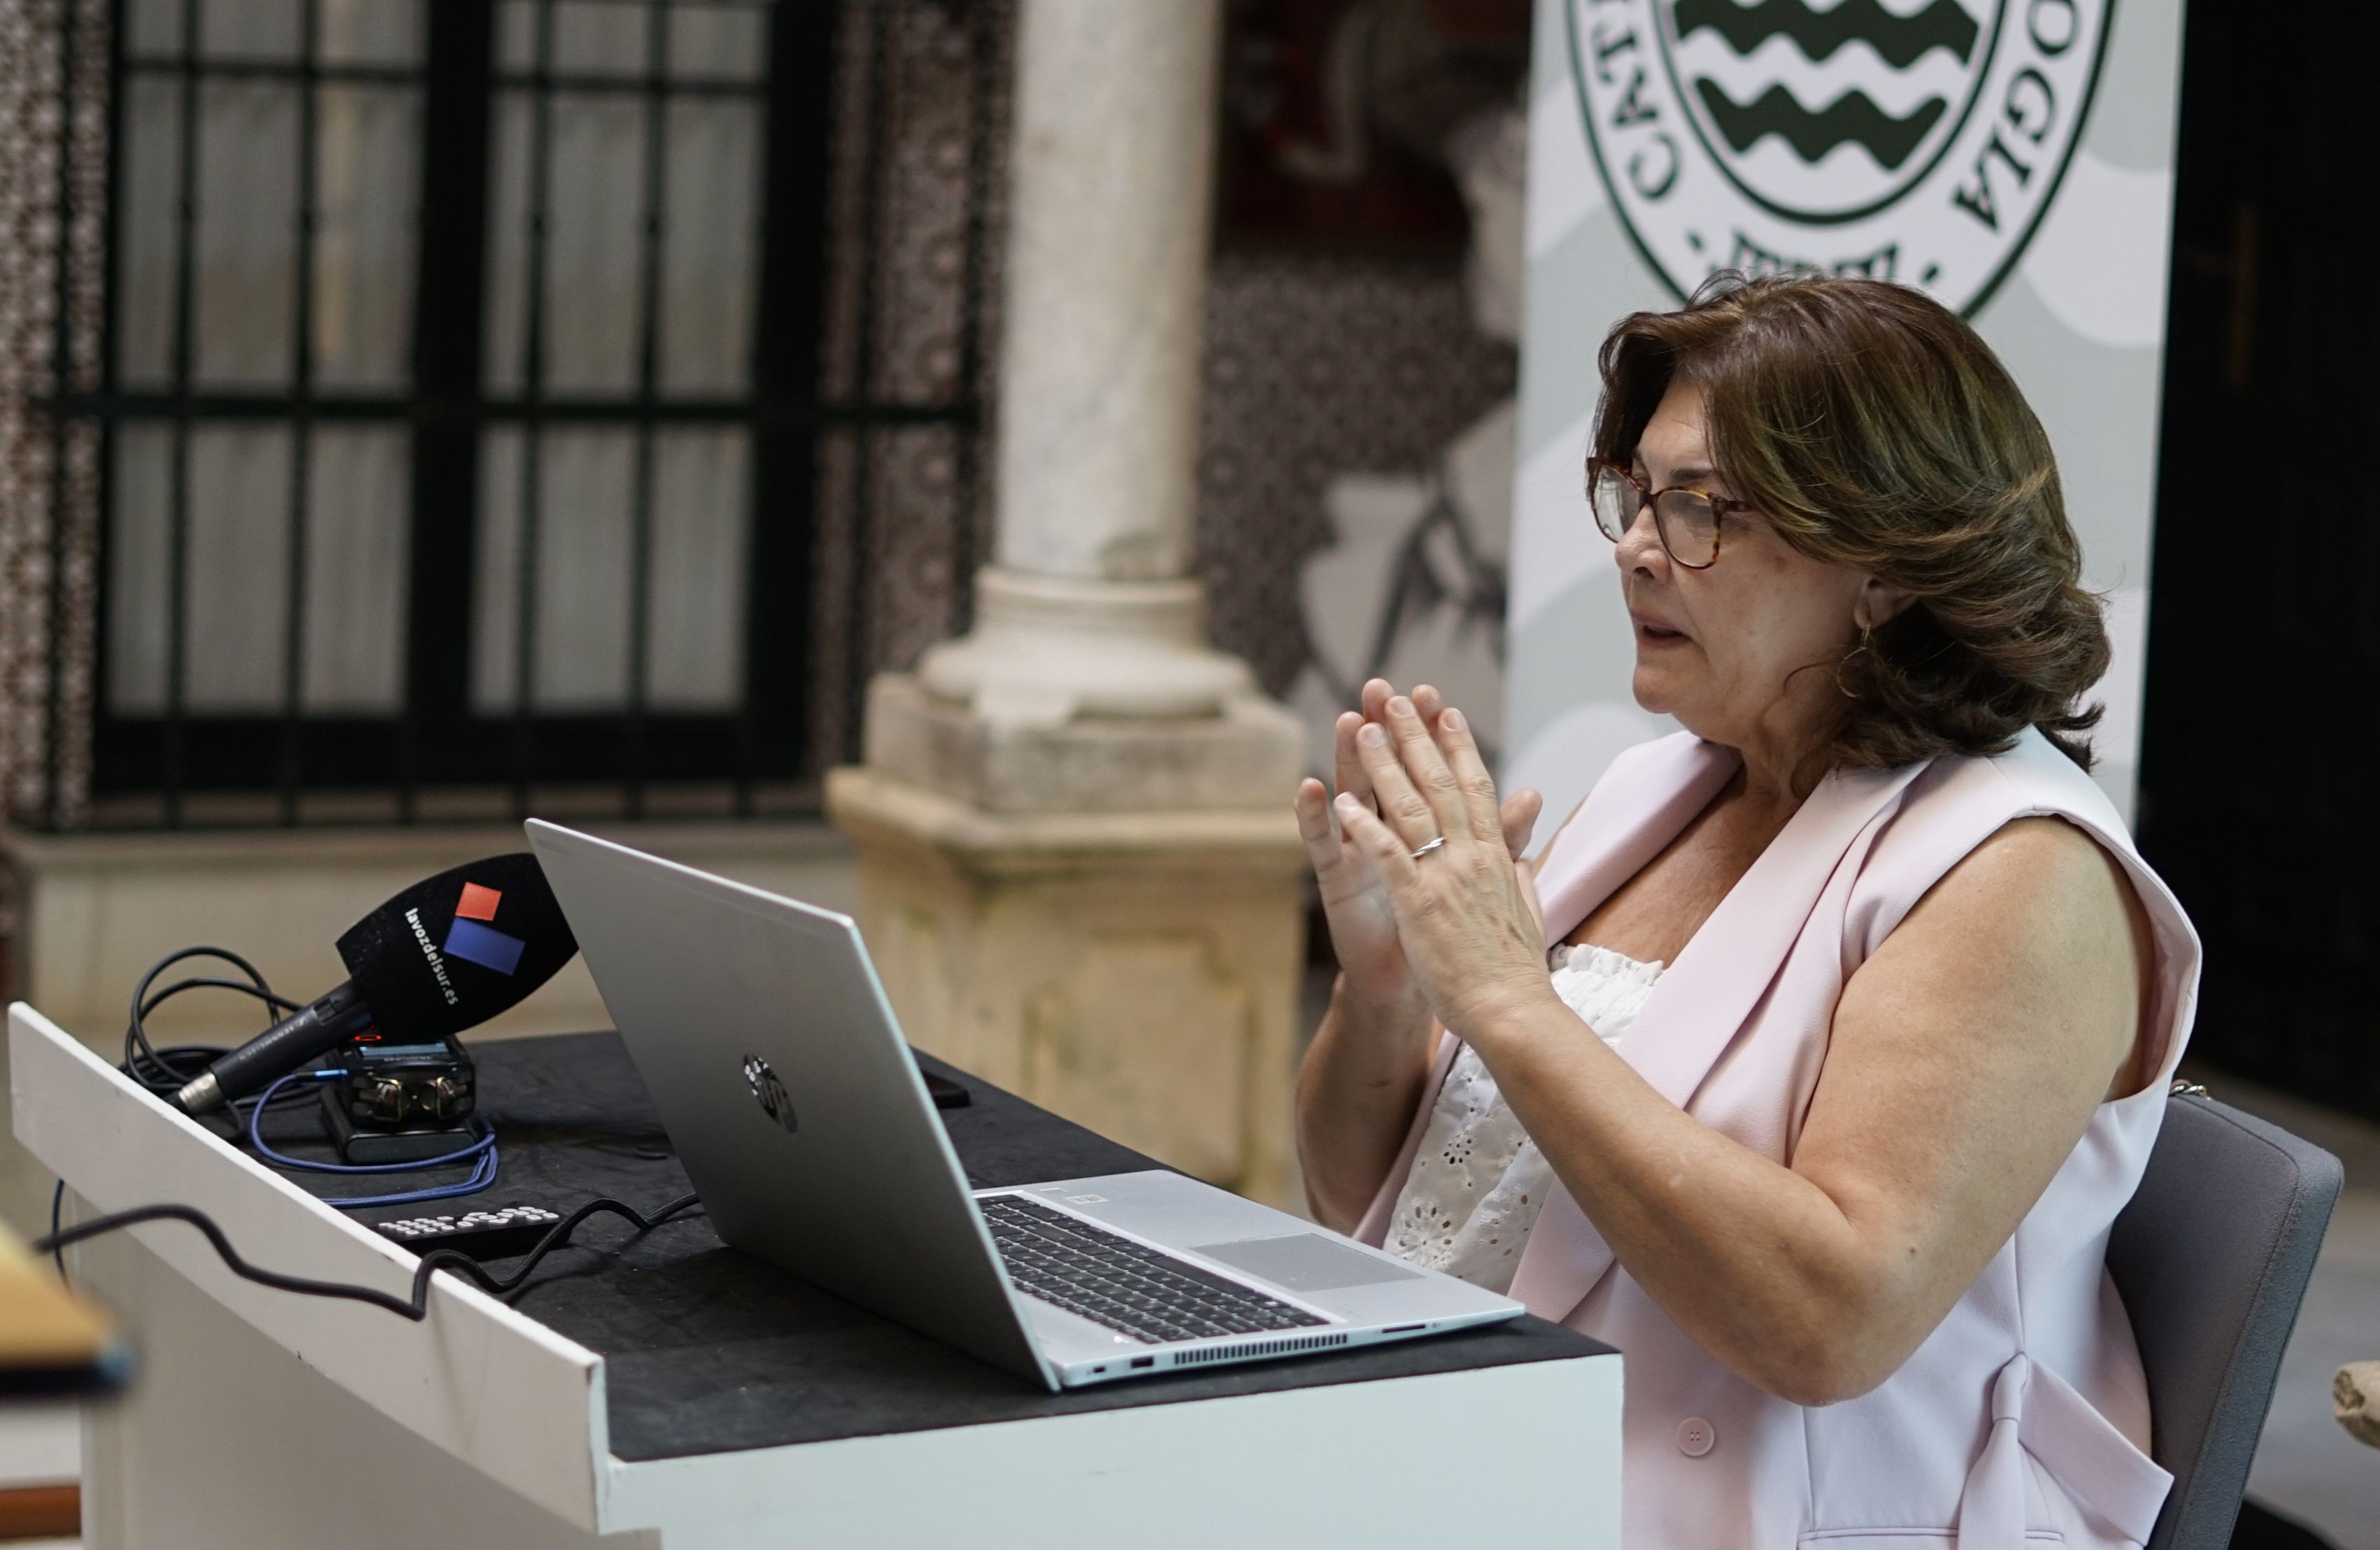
{"points": [[446, 954], [456, 949]]}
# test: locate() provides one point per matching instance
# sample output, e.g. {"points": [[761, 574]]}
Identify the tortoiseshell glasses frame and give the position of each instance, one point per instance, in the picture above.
{"points": [[1684, 519]]}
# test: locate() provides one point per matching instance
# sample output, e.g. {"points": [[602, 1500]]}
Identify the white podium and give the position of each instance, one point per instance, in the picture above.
{"points": [[259, 1419]]}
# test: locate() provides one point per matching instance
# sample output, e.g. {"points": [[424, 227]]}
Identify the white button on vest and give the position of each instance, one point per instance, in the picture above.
{"points": [[1695, 1436]]}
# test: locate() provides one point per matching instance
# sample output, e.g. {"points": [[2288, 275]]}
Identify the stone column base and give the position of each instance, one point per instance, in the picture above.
{"points": [[1136, 972], [1246, 758]]}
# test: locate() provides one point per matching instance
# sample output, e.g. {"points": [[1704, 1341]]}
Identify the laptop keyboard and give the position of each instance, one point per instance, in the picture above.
{"points": [[1109, 1279]]}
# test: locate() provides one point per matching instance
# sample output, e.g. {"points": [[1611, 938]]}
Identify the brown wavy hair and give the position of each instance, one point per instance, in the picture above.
{"points": [[1872, 428]]}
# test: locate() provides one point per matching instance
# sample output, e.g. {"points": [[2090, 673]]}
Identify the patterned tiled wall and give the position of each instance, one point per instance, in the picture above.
{"points": [[1319, 366], [52, 166], [943, 164]]}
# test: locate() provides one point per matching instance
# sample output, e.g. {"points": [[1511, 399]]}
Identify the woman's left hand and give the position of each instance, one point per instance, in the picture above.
{"points": [[1465, 910]]}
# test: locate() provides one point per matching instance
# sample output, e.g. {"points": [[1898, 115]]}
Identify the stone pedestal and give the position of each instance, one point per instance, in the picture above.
{"points": [[1136, 972]]}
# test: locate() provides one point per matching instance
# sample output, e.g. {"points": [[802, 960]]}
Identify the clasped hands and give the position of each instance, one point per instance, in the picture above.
{"points": [[1456, 934]]}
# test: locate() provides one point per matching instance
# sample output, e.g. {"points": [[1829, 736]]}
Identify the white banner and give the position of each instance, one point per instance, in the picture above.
{"points": [[2013, 157]]}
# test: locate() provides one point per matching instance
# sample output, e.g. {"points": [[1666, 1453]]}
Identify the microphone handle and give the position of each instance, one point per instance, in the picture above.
{"points": [[281, 1048]]}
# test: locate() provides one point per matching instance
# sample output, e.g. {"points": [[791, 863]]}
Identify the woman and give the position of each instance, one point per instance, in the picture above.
{"points": [[1860, 1007]]}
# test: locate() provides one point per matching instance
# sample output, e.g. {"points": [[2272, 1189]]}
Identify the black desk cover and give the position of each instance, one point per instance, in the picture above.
{"points": [[708, 1351]]}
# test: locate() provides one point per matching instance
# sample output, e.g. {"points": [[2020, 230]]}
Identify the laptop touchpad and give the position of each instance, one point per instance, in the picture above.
{"points": [[1305, 1262]]}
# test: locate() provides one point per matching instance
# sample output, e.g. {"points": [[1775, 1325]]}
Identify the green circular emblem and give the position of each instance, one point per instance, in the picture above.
{"points": [[1917, 141]]}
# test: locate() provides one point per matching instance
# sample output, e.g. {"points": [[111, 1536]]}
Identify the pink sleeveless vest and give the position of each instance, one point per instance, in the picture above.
{"points": [[2023, 1420]]}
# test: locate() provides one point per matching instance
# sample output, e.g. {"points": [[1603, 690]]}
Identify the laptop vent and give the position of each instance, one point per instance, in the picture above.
{"points": [[1282, 1346]]}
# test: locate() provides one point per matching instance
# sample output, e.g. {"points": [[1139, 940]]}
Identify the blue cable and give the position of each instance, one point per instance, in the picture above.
{"points": [[481, 1152]]}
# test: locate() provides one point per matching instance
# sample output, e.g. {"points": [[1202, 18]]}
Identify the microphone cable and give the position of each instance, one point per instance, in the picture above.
{"points": [[505, 1288], [163, 1071], [481, 1152]]}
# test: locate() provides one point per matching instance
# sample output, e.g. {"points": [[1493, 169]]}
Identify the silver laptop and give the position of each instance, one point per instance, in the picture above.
{"points": [[761, 1029]]}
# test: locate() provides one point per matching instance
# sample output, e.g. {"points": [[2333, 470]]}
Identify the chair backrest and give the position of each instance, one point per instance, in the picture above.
{"points": [[2212, 1258]]}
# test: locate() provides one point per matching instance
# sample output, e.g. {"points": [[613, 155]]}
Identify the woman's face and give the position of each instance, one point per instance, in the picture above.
{"points": [[1717, 648]]}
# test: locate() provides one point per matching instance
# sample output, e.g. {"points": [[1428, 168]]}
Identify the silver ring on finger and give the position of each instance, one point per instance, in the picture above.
{"points": [[1436, 843]]}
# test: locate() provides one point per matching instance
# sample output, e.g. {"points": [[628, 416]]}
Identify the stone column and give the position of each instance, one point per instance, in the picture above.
{"points": [[1079, 870]]}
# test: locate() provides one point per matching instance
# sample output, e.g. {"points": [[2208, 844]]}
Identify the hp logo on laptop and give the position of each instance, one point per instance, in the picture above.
{"points": [[769, 1093]]}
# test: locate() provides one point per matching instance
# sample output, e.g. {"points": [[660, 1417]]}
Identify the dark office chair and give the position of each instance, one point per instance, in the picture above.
{"points": [[2212, 1258]]}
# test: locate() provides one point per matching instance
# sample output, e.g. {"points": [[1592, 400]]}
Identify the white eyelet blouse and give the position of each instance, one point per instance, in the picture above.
{"points": [[1478, 1181]]}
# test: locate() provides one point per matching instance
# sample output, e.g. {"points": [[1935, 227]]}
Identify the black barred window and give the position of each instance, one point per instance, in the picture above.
{"points": [[476, 396]]}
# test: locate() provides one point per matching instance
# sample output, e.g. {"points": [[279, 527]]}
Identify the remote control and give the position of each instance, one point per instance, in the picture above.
{"points": [[483, 1235]]}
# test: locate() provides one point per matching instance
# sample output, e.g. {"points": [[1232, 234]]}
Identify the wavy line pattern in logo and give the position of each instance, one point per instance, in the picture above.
{"points": [[1899, 40], [1852, 118]]}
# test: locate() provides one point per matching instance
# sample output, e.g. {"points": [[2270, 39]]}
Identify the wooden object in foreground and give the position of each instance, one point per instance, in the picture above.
{"points": [[40, 1512], [51, 1341]]}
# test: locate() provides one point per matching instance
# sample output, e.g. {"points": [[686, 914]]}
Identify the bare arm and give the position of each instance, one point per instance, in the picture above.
{"points": [[1356, 1093], [1967, 1057]]}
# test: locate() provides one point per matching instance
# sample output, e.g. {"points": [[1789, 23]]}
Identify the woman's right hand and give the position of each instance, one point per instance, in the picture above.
{"points": [[1363, 928]]}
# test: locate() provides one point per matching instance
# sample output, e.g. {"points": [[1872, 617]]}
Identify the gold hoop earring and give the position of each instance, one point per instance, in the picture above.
{"points": [[1868, 632]]}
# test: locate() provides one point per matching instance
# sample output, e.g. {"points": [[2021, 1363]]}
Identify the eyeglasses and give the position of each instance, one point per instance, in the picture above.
{"points": [[1687, 519]]}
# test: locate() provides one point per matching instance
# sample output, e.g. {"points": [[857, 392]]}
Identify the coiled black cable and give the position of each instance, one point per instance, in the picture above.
{"points": [[164, 1071]]}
